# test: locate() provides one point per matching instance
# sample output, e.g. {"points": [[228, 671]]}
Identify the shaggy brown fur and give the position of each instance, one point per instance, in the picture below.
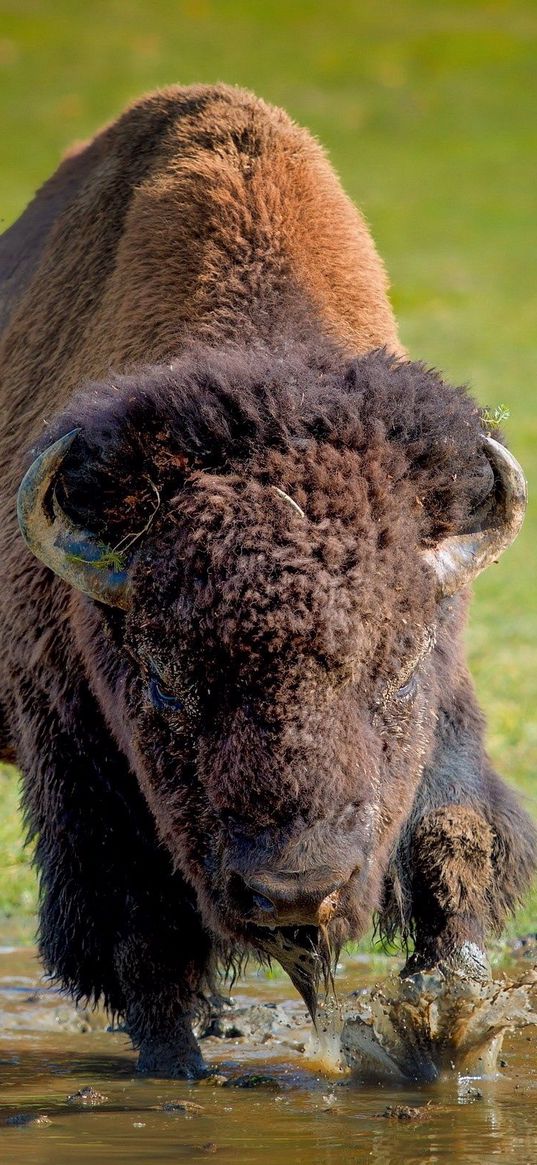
{"points": [[452, 872], [284, 696]]}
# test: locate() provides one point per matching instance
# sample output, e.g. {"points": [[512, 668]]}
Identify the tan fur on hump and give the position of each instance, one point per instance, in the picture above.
{"points": [[200, 211]]}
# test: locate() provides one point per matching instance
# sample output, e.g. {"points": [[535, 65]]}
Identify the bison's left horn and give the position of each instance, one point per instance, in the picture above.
{"points": [[74, 554], [459, 559]]}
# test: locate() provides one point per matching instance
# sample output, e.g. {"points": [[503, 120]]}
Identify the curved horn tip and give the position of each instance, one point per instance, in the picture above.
{"points": [[507, 466], [38, 478], [458, 560], [73, 554]]}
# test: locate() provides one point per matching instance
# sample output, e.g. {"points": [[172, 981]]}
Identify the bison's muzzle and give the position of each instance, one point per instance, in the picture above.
{"points": [[288, 899]]}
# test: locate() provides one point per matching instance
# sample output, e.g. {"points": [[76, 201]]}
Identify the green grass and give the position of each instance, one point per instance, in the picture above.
{"points": [[428, 111], [17, 879]]}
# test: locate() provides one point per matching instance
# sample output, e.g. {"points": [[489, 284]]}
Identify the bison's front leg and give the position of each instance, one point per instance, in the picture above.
{"points": [[452, 878], [160, 1007], [468, 854], [116, 922], [468, 866]]}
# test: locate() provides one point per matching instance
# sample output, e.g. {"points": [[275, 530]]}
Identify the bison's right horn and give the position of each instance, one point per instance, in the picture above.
{"points": [[457, 560], [74, 554]]}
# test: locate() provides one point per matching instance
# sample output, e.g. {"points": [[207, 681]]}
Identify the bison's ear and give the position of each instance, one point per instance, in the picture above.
{"points": [[74, 554], [457, 560]]}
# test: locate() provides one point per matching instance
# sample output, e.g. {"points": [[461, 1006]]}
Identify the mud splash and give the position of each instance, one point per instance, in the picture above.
{"points": [[424, 1026]]}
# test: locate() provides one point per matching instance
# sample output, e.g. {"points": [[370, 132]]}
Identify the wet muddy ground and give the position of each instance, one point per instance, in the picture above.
{"points": [[69, 1092]]}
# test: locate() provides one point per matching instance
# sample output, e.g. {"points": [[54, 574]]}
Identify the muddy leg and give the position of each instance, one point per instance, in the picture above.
{"points": [[451, 858], [467, 855], [467, 867]]}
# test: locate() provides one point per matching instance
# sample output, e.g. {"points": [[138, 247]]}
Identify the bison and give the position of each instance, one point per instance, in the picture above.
{"points": [[232, 670]]}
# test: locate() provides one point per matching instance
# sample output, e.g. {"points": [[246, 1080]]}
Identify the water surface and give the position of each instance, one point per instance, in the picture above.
{"points": [[292, 1112]]}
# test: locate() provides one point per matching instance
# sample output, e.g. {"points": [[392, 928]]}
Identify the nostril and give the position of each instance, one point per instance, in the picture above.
{"points": [[263, 903], [248, 898]]}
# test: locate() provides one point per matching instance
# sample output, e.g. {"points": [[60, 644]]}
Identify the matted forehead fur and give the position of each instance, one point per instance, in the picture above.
{"points": [[276, 598], [380, 456]]}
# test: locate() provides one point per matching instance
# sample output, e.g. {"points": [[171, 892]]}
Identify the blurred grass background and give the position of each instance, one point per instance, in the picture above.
{"points": [[428, 112]]}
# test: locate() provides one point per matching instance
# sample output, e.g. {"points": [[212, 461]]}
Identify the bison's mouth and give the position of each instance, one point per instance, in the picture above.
{"points": [[305, 953]]}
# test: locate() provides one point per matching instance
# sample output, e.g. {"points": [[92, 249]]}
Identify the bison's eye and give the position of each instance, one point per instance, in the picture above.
{"points": [[408, 690], [163, 699]]}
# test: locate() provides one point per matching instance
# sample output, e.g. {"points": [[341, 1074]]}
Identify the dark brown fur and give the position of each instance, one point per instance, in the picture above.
{"points": [[196, 294]]}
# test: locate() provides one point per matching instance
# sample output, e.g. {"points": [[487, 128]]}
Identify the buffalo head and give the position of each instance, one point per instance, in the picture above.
{"points": [[272, 555]]}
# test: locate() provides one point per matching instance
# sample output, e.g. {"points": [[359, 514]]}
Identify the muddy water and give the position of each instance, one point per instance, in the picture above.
{"points": [[69, 1093]]}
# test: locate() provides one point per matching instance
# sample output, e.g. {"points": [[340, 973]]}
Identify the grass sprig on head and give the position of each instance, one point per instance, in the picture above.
{"points": [[494, 417]]}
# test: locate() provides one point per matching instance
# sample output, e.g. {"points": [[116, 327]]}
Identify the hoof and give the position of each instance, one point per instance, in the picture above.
{"points": [[171, 1071], [176, 1056], [468, 961], [166, 1063]]}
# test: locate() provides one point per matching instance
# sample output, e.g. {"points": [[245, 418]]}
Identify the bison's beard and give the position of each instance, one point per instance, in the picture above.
{"points": [[309, 954], [306, 953]]}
